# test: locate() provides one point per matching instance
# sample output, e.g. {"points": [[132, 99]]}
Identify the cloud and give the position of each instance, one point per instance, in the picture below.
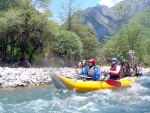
{"points": [[41, 10], [109, 3]]}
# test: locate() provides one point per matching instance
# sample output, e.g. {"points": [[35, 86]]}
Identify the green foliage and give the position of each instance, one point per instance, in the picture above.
{"points": [[105, 40], [67, 46], [91, 45], [9, 28], [25, 32], [83, 31], [145, 21], [133, 36], [6, 4], [28, 34]]}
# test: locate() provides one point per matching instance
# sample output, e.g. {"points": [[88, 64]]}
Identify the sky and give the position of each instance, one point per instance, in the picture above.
{"points": [[83, 4]]}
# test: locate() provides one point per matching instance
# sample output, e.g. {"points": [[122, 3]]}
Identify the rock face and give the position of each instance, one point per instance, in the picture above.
{"points": [[105, 21]]}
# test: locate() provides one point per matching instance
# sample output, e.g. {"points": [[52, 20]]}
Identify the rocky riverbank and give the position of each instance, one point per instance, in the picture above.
{"points": [[27, 77]]}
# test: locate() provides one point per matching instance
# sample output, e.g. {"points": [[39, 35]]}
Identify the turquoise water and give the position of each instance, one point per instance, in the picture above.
{"points": [[47, 99]]}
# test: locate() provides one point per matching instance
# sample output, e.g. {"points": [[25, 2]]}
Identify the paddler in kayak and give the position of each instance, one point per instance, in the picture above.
{"points": [[91, 71], [115, 69]]}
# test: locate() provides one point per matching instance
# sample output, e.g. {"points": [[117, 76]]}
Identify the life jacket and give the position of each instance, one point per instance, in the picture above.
{"points": [[113, 68], [90, 71]]}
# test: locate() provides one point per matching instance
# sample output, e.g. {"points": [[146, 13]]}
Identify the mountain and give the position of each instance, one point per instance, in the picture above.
{"points": [[134, 36], [105, 21]]}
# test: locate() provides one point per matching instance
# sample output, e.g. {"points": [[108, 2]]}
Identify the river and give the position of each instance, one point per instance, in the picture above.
{"points": [[47, 99]]}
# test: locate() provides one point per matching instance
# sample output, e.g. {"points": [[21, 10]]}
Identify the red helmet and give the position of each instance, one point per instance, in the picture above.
{"points": [[92, 60]]}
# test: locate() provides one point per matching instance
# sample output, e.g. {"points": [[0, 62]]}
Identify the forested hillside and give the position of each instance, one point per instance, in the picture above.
{"points": [[134, 36]]}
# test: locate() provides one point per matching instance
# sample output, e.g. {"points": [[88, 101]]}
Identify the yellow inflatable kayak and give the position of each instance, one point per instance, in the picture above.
{"points": [[62, 82]]}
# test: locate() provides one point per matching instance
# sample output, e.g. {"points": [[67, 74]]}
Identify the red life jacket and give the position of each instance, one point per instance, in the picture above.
{"points": [[113, 68]]}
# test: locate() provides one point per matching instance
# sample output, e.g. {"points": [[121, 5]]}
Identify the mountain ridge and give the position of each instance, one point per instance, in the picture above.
{"points": [[104, 20]]}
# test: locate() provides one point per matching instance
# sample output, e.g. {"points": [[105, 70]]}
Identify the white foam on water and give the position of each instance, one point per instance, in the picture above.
{"points": [[143, 79], [65, 90], [56, 102], [137, 88], [130, 96], [92, 107], [105, 91], [93, 101], [64, 105], [36, 105], [145, 98], [1, 108], [97, 95], [79, 98]]}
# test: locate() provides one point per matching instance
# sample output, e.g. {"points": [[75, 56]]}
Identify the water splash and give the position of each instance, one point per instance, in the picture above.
{"points": [[47, 99]]}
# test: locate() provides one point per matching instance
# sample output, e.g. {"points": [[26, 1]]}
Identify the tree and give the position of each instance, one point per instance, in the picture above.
{"points": [[9, 29], [34, 32], [6, 4], [91, 45], [85, 33], [43, 7], [66, 14], [123, 10], [24, 30], [67, 46]]}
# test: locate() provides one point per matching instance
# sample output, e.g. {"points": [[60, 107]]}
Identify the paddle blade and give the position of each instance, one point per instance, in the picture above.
{"points": [[113, 83]]}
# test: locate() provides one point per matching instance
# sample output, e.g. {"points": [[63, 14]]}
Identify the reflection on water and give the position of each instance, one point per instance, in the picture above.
{"points": [[47, 99]]}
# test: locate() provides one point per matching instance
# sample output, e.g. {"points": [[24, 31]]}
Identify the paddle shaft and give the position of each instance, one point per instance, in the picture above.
{"points": [[76, 70]]}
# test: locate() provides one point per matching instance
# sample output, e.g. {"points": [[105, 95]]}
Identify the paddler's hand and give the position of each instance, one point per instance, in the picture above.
{"points": [[80, 76], [108, 71], [105, 74]]}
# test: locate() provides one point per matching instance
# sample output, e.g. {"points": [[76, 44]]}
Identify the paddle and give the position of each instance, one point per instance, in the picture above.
{"points": [[79, 76], [112, 82], [76, 77]]}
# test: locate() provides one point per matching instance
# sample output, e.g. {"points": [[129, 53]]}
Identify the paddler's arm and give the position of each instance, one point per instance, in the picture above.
{"points": [[83, 71], [113, 72], [97, 73]]}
